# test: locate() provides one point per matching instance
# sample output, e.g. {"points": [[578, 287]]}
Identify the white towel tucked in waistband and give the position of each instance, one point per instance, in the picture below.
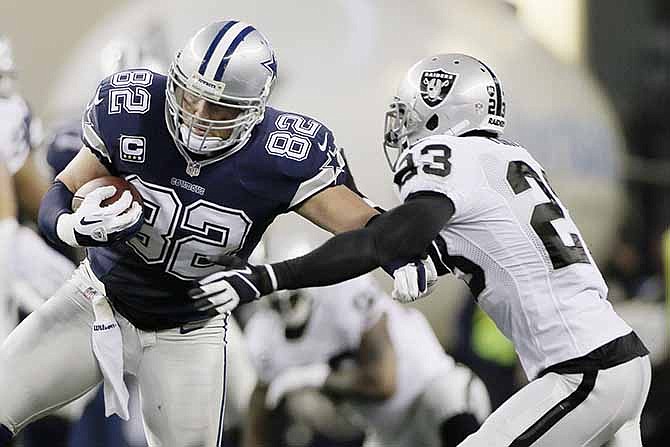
{"points": [[108, 350]]}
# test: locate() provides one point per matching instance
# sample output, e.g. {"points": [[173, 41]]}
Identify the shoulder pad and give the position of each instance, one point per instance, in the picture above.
{"points": [[129, 102], [439, 164], [301, 154]]}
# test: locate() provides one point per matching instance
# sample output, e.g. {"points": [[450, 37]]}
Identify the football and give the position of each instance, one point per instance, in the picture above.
{"points": [[121, 185]]}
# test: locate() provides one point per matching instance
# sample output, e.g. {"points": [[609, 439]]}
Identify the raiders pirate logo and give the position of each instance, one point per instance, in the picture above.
{"points": [[435, 86]]}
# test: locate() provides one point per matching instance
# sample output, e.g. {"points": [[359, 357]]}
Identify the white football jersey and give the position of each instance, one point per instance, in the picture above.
{"points": [[514, 243], [15, 128], [340, 315]]}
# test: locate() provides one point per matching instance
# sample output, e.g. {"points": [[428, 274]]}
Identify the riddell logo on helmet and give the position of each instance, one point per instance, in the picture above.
{"points": [[435, 86], [209, 88]]}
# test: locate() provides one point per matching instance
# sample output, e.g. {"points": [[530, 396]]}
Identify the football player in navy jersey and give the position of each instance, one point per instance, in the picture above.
{"points": [[215, 166], [145, 51]]}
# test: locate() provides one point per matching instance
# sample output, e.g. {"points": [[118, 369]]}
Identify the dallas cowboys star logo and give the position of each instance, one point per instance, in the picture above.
{"points": [[335, 161], [271, 65]]}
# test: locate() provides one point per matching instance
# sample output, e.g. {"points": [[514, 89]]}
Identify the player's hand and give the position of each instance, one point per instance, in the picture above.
{"points": [[223, 291], [96, 225], [414, 280], [294, 379]]}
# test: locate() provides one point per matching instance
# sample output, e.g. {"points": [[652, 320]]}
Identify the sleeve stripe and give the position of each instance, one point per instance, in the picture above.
{"points": [[90, 136], [310, 187]]}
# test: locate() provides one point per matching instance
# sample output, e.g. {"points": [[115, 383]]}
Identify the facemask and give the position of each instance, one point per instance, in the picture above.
{"points": [[198, 143]]}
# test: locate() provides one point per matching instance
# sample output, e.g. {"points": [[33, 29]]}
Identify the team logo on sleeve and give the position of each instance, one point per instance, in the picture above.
{"points": [[435, 86]]}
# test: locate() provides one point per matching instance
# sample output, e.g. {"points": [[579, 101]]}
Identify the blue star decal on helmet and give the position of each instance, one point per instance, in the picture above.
{"points": [[271, 65]]}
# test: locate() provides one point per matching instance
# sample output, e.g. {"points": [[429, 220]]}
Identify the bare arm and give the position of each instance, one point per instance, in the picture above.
{"points": [[7, 197], [374, 377], [337, 209], [31, 185], [84, 167], [256, 426]]}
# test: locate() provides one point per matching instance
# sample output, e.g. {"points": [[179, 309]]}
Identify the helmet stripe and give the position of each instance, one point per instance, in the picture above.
{"points": [[498, 89], [215, 42], [233, 46]]}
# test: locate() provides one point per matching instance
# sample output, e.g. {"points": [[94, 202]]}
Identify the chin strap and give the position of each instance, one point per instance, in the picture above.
{"points": [[198, 143], [193, 166]]}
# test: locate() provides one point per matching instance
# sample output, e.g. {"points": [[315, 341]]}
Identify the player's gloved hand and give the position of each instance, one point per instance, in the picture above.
{"points": [[96, 225], [293, 379], [414, 280], [223, 291]]}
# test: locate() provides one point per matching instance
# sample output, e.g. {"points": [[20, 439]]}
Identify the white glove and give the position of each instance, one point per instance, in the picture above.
{"points": [[414, 280], [93, 224], [214, 295], [293, 379], [223, 291]]}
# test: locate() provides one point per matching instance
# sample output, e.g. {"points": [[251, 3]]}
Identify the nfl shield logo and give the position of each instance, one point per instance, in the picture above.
{"points": [[435, 86]]}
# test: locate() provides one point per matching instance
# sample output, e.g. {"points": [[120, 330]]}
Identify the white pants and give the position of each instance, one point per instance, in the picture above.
{"points": [[572, 410], [456, 392], [47, 361], [241, 376]]}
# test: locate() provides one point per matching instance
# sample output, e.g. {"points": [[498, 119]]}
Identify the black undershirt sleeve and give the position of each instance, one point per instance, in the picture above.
{"points": [[401, 233]]}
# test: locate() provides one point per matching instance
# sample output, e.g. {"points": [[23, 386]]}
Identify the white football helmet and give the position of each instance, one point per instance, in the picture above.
{"points": [[229, 64], [293, 306], [448, 94], [7, 67]]}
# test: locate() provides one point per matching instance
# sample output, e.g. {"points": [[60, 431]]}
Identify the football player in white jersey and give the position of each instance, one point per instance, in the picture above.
{"points": [[502, 229], [380, 360], [30, 270], [34, 270], [19, 133]]}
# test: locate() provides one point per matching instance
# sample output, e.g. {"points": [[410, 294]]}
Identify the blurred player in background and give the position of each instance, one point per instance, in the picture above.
{"points": [[19, 134], [379, 362], [31, 270], [503, 230]]}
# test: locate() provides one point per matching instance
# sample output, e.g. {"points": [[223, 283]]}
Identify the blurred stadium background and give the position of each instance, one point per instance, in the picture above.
{"points": [[587, 87]]}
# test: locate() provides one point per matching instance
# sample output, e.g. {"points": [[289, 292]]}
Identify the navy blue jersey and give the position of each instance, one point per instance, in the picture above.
{"points": [[224, 209]]}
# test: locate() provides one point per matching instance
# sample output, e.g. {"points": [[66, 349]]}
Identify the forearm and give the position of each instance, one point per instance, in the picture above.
{"points": [[7, 197], [31, 186], [255, 431], [355, 383], [342, 257], [56, 202], [402, 233]]}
